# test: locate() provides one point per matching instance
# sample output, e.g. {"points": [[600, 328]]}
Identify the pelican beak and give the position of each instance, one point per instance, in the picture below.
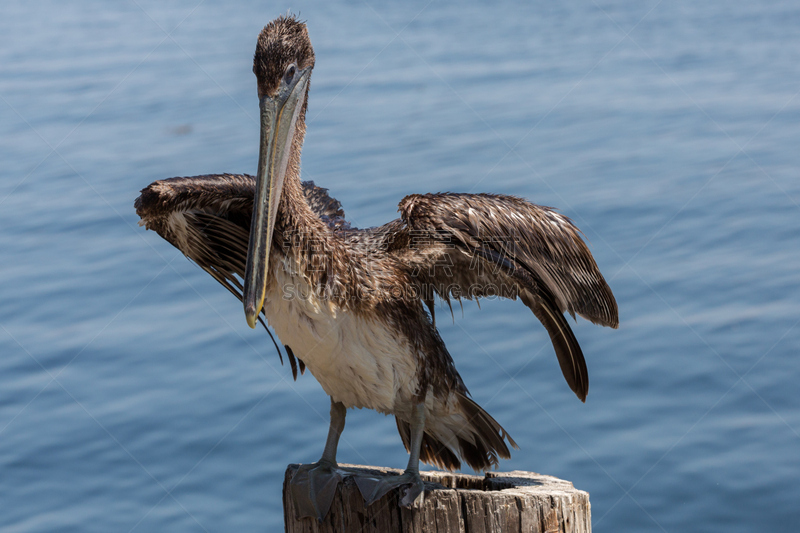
{"points": [[278, 118]]}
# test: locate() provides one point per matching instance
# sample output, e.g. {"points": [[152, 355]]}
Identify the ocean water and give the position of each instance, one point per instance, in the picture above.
{"points": [[133, 396]]}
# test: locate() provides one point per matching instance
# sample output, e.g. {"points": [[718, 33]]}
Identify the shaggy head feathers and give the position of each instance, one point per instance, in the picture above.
{"points": [[282, 42]]}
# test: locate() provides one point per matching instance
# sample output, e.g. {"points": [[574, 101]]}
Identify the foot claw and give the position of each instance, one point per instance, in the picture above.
{"points": [[415, 491]]}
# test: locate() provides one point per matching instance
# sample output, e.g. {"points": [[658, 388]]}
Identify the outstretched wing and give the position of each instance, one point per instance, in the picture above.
{"points": [[208, 219], [480, 245]]}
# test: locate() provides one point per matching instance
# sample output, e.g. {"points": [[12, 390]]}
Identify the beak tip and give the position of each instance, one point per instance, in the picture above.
{"points": [[251, 315]]}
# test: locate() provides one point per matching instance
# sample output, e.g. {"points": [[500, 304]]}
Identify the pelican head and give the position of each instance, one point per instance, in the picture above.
{"points": [[282, 64]]}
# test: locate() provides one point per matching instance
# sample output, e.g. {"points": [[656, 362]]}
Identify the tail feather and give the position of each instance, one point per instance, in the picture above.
{"points": [[480, 442], [488, 434], [432, 450]]}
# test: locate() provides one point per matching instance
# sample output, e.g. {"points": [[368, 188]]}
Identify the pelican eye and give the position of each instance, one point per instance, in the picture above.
{"points": [[288, 76]]}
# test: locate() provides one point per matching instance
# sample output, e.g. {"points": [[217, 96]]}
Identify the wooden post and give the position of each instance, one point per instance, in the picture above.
{"points": [[501, 502]]}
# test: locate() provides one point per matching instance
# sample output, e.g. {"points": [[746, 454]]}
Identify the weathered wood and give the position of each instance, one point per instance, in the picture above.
{"points": [[507, 502]]}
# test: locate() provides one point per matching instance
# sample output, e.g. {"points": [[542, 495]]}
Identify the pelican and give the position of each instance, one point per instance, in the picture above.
{"points": [[356, 306]]}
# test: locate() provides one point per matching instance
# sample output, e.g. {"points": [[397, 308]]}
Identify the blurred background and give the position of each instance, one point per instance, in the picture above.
{"points": [[133, 396]]}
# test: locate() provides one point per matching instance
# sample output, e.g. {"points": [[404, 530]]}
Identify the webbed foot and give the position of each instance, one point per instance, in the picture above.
{"points": [[313, 487], [373, 487]]}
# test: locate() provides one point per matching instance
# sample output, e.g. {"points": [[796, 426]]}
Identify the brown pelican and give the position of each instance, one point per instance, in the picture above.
{"points": [[355, 306]]}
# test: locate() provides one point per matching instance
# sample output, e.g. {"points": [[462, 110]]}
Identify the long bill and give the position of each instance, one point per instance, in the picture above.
{"points": [[278, 119]]}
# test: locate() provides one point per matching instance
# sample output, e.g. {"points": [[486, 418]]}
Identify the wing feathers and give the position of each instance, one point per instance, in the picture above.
{"points": [[533, 237], [505, 246], [208, 219], [568, 351]]}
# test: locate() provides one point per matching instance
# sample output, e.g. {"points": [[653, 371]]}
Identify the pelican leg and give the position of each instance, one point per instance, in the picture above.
{"points": [[373, 488], [314, 485]]}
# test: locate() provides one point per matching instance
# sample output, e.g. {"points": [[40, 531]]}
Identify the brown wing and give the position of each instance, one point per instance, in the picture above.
{"points": [[208, 219], [481, 245]]}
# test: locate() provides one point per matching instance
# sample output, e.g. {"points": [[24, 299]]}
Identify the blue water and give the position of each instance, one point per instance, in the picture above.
{"points": [[133, 396]]}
